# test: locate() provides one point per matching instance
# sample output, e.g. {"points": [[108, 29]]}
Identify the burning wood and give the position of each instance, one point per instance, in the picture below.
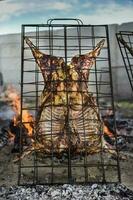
{"points": [[27, 118], [13, 98]]}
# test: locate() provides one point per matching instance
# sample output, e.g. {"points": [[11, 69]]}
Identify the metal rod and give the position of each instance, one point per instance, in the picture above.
{"points": [[67, 114], [21, 111], [51, 107], [112, 103]]}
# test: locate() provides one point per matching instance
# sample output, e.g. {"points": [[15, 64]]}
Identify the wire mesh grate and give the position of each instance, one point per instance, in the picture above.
{"points": [[61, 73], [125, 41]]}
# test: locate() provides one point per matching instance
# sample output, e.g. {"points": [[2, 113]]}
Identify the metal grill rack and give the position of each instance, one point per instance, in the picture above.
{"points": [[125, 41], [66, 38]]}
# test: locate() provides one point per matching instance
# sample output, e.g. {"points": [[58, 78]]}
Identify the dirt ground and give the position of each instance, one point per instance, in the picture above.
{"points": [[9, 171]]}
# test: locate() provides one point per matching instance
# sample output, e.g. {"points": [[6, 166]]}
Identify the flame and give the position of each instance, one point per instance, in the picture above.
{"points": [[15, 101], [107, 131], [28, 118]]}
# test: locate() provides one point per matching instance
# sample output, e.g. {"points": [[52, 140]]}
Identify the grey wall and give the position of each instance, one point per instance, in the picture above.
{"points": [[10, 58], [10, 61]]}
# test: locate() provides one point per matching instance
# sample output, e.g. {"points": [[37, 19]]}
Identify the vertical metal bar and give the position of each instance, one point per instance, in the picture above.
{"points": [[112, 99], [21, 112], [35, 174], [51, 90], [97, 97], [129, 41], [82, 93], [79, 38], [67, 115]]}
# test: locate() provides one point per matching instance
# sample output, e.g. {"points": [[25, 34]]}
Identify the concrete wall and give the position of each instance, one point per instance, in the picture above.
{"points": [[10, 61], [10, 58]]}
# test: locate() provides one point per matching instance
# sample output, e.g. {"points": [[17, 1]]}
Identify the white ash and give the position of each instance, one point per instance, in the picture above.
{"points": [[67, 192]]}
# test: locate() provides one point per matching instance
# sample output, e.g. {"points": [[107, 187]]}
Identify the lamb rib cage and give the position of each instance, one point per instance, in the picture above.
{"points": [[70, 164]]}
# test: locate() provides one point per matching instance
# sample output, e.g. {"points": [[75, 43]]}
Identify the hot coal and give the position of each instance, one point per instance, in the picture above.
{"points": [[67, 192]]}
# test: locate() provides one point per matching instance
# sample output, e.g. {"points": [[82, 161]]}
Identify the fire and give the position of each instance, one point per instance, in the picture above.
{"points": [[15, 101], [106, 126], [107, 131], [28, 118]]}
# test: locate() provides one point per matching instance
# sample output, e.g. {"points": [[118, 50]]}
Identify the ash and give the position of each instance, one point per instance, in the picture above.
{"points": [[67, 192]]}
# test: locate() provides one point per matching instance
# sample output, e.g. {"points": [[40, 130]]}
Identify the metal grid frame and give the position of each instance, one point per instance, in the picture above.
{"points": [[125, 42], [35, 32]]}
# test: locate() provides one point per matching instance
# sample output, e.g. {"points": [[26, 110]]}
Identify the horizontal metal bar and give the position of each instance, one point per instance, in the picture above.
{"points": [[62, 25], [73, 165], [55, 183]]}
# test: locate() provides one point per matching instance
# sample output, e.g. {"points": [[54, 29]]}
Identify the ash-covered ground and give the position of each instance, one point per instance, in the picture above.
{"points": [[67, 192]]}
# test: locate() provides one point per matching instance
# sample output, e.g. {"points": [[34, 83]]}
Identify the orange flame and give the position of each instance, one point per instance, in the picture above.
{"points": [[27, 118], [107, 131]]}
